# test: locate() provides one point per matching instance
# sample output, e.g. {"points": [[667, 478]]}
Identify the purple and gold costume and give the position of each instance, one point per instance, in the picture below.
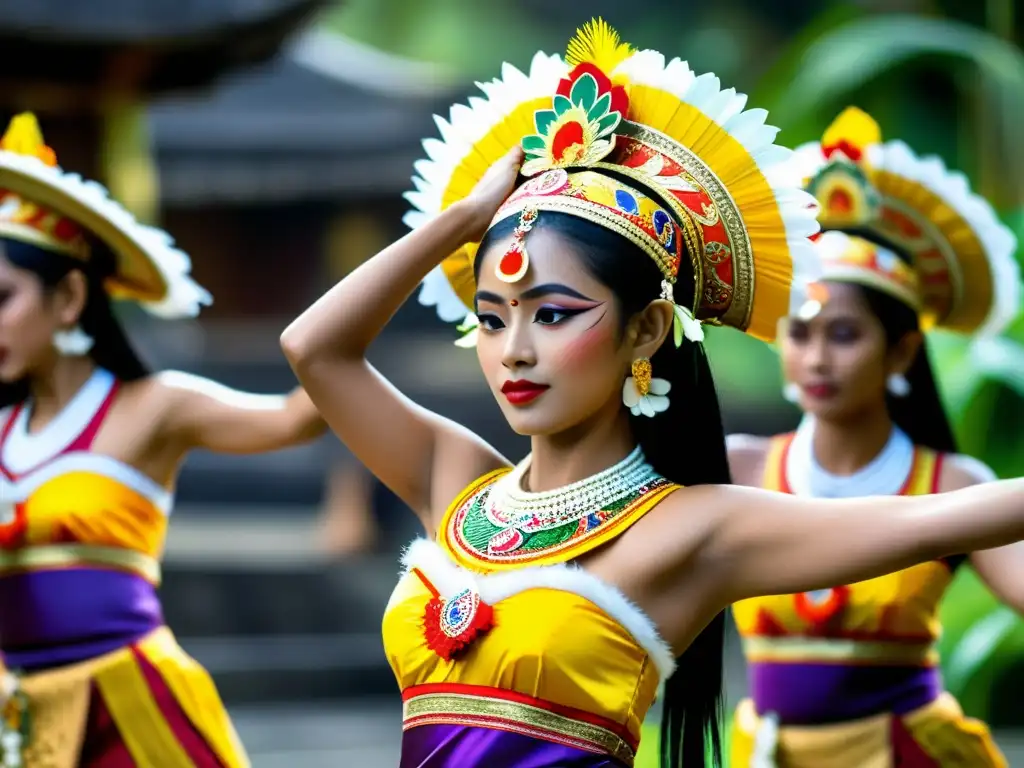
{"points": [[851, 673], [80, 621]]}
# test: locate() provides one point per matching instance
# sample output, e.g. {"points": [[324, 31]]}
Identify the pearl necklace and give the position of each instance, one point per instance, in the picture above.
{"points": [[510, 506]]}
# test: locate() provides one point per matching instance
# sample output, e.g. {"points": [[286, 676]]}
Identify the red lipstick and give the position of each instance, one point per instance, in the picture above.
{"points": [[522, 391], [820, 391]]}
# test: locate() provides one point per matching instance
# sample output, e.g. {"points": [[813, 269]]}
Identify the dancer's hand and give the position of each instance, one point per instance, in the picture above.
{"points": [[492, 190]]}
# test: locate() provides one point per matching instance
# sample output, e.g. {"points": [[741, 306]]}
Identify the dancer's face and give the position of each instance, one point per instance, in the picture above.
{"points": [[840, 359], [559, 329], [29, 315], [26, 325]]}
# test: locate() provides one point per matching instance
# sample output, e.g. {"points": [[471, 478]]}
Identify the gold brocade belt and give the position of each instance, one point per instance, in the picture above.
{"points": [[485, 707], [47, 557], [57, 709], [837, 650]]}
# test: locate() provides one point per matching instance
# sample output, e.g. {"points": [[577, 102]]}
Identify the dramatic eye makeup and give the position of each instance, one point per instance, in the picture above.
{"points": [[554, 314], [550, 313]]}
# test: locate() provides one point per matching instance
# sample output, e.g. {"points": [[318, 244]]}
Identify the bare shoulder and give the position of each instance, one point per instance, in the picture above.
{"points": [[167, 395], [179, 386], [747, 455], [682, 522], [960, 471], [158, 392]]}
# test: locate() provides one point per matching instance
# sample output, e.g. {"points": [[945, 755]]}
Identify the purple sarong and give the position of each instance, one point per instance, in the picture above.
{"points": [[463, 746]]}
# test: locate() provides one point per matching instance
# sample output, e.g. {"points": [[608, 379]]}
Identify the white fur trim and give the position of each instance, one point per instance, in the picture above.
{"points": [[449, 579], [184, 296]]}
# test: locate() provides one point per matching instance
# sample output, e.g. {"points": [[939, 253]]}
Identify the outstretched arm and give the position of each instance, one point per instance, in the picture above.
{"points": [[204, 414], [425, 459], [765, 543]]}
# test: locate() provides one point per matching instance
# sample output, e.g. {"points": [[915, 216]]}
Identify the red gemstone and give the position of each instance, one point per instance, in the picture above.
{"points": [[511, 262]]}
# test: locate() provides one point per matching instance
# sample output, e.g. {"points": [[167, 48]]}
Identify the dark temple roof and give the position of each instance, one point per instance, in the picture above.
{"points": [[153, 45], [325, 119]]}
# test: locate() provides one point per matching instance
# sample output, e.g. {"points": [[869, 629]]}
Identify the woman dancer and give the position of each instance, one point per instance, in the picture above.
{"points": [[648, 199], [848, 677], [90, 443]]}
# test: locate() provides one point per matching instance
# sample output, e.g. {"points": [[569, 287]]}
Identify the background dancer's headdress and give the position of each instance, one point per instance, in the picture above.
{"points": [[878, 200], [643, 147], [42, 205]]}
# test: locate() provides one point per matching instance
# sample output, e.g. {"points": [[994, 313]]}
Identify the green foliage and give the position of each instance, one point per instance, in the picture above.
{"points": [[981, 640]]}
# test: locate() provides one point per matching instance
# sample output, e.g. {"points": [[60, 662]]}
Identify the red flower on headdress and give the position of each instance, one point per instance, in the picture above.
{"points": [[851, 151], [620, 100]]}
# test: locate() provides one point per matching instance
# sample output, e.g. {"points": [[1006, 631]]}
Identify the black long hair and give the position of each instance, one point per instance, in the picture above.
{"points": [[921, 415], [685, 444], [111, 349]]}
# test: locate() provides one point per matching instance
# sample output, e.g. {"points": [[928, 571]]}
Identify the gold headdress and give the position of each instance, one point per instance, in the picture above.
{"points": [[47, 207], [879, 199], [645, 148]]}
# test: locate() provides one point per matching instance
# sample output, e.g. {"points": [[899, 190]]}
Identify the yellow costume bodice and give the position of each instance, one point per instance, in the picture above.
{"points": [[565, 656], [81, 535], [889, 619], [61, 497]]}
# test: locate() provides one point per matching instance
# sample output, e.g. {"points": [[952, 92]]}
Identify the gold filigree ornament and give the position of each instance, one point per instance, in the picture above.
{"points": [[640, 145], [15, 721]]}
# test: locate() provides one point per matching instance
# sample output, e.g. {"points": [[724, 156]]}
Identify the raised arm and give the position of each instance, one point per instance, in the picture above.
{"points": [[765, 543], [425, 459], [204, 414]]}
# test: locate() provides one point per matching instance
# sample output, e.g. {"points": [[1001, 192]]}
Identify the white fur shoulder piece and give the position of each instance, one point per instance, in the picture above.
{"points": [[449, 579]]}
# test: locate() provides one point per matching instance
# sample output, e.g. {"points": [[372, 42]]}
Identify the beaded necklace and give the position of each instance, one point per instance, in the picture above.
{"points": [[502, 522]]}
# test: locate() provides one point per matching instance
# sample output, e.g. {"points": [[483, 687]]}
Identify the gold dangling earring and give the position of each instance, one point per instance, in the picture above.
{"points": [[643, 394]]}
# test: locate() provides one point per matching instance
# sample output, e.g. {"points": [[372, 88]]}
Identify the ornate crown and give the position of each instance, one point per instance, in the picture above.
{"points": [[967, 277], [47, 207], [642, 147]]}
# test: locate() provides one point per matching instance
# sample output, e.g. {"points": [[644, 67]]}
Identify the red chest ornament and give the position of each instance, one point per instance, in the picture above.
{"points": [[821, 606], [451, 624]]}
